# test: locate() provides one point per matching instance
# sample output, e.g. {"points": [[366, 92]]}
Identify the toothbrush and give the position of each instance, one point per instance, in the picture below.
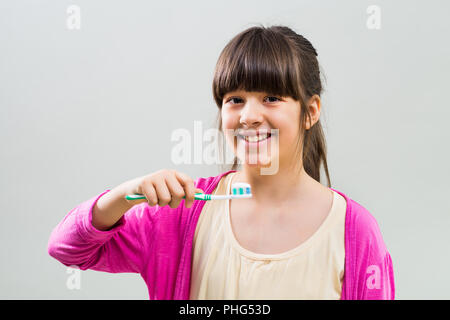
{"points": [[239, 190]]}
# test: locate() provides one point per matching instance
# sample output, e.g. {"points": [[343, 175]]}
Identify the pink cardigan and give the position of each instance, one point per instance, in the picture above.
{"points": [[157, 243]]}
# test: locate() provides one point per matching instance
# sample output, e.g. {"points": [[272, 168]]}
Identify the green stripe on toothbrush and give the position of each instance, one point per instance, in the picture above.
{"points": [[198, 196]]}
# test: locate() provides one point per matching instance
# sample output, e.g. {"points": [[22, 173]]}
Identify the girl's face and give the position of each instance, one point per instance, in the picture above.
{"points": [[251, 113]]}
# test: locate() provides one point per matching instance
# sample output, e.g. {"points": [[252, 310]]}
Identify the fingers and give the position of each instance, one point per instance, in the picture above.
{"points": [[176, 190], [168, 187], [149, 191], [189, 189], [162, 191]]}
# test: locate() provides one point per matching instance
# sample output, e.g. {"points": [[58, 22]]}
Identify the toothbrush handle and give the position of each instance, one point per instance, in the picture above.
{"points": [[198, 196], [135, 196]]}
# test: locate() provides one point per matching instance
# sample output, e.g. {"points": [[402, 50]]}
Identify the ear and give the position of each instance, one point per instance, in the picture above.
{"points": [[314, 111]]}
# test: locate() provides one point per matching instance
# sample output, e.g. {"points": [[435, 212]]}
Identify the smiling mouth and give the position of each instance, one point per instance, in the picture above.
{"points": [[255, 138]]}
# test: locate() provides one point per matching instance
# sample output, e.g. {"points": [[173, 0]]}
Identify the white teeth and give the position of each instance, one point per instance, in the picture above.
{"points": [[255, 138]]}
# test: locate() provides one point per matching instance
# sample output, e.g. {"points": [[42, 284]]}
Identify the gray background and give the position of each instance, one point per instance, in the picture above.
{"points": [[84, 110]]}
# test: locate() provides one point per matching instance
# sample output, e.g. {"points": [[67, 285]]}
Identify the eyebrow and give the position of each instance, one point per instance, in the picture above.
{"points": [[233, 93], [230, 93]]}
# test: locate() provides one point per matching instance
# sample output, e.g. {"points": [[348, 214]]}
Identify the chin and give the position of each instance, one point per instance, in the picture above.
{"points": [[266, 162]]}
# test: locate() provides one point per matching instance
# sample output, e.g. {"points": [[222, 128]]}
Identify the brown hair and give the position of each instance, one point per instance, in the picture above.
{"points": [[278, 61]]}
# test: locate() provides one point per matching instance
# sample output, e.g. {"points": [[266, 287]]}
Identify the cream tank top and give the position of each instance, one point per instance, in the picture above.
{"points": [[222, 269]]}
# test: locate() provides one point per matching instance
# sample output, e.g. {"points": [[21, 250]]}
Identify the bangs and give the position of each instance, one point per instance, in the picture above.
{"points": [[257, 60]]}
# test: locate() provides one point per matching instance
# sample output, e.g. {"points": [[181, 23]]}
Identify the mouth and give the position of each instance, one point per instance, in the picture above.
{"points": [[255, 138]]}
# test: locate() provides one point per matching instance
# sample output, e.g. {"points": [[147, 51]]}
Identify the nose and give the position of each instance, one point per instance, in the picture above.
{"points": [[251, 115]]}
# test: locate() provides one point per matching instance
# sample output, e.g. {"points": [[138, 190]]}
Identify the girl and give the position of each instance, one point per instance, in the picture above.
{"points": [[294, 239]]}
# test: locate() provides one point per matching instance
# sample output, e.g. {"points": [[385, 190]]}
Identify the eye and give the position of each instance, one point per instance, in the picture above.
{"points": [[239, 100], [271, 97], [234, 98]]}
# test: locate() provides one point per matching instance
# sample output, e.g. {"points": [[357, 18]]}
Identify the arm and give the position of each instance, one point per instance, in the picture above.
{"points": [[374, 273], [110, 233], [121, 247], [110, 208], [379, 284]]}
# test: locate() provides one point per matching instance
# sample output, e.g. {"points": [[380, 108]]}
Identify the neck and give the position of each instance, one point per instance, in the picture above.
{"points": [[276, 188]]}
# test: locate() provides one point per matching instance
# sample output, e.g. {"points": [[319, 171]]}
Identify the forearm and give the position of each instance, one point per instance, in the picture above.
{"points": [[77, 241], [111, 207]]}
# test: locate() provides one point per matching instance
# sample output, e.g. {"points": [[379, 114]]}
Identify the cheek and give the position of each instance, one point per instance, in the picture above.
{"points": [[230, 121], [229, 125], [288, 125], [227, 121], [282, 120]]}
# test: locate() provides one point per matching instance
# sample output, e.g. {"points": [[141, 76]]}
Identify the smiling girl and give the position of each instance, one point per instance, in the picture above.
{"points": [[294, 239]]}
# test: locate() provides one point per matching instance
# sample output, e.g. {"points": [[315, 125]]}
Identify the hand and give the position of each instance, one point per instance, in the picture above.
{"points": [[164, 187]]}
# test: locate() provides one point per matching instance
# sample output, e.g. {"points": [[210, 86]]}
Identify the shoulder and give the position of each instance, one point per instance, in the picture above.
{"points": [[368, 263], [207, 184], [362, 228]]}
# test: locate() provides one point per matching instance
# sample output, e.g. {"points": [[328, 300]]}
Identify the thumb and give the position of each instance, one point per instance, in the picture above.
{"points": [[198, 190]]}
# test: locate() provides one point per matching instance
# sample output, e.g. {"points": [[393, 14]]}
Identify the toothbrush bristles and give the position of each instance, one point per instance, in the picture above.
{"points": [[241, 189]]}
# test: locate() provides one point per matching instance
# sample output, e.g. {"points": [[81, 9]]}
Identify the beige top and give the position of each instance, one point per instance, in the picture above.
{"points": [[223, 269]]}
